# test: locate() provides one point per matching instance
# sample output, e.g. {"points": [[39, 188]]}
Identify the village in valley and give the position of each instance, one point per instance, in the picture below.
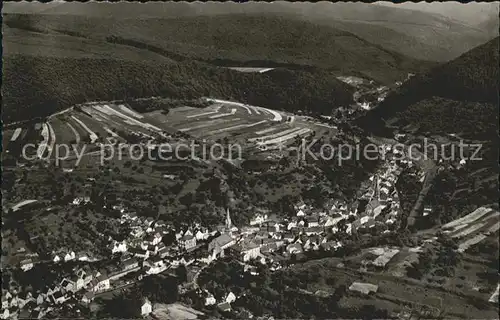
{"points": [[160, 161], [123, 248]]}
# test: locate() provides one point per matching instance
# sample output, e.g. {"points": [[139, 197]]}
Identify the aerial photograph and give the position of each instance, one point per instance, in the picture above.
{"points": [[255, 160]]}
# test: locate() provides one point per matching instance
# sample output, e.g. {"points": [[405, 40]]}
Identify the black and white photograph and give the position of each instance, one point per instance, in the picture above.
{"points": [[250, 160]]}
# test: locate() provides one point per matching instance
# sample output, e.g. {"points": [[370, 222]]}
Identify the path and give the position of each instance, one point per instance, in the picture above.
{"points": [[276, 115]]}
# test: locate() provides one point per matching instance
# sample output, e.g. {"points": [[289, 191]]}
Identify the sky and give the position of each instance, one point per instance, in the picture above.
{"points": [[472, 12]]}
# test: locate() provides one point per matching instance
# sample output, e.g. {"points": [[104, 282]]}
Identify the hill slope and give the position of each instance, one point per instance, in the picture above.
{"points": [[38, 86], [422, 35], [465, 89], [227, 37]]}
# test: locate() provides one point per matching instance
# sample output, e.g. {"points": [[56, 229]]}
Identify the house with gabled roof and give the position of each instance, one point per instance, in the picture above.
{"points": [[70, 256], [82, 256], [67, 284], [58, 297], [149, 221], [201, 234], [23, 298], [40, 298], [187, 242], [224, 306], [26, 264], [5, 313], [78, 283], [101, 283], [222, 242], [294, 248], [129, 264], [289, 236], [146, 307], [139, 253], [312, 221], [246, 250], [88, 297], [119, 246]]}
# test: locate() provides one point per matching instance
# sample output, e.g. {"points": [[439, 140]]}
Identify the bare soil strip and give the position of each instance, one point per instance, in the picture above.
{"points": [[208, 124]]}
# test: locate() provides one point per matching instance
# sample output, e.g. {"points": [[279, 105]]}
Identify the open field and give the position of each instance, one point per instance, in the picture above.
{"points": [[88, 126], [394, 293], [175, 311]]}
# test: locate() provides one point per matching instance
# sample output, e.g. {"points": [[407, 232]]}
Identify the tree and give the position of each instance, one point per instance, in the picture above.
{"points": [[162, 289], [125, 306], [181, 273]]}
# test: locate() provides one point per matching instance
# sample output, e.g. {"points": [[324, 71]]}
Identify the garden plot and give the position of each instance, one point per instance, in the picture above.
{"points": [[470, 242], [124, 118], [256, 110], [233, 111], [213, 109], [471, 217], [384, 256], [105, 121], [268, 130], [493, 229], [237, 127], [464, 232], [92, 135], [284, 138], [276, 115], [209, 123], [273, 136], [494, 296], [474, 227], [67, 130], [52, 142], [130, 112], [45, 140], [185, 109], [75, 132]]}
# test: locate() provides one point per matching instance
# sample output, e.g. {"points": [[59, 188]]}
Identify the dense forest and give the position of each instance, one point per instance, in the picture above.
{"points": [[224, 40], [39, 86], [467, 88]]}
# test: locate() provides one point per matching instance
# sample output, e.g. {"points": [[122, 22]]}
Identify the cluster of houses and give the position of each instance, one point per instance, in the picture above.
{"points": [[267, 239], [143, 253]]}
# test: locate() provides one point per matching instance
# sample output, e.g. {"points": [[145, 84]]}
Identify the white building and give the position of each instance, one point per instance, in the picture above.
{"points": [[119, 247], [101, 283], [201, 235], [247, 251], [146, 307], [258, 219], [70, 256], [230, 298], [210, 300], [26, 264], [300, 213]]}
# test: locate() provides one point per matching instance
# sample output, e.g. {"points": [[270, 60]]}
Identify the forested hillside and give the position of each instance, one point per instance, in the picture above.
{"points": [[418, 34], [39, 86], [465, 89], [237, 38]]}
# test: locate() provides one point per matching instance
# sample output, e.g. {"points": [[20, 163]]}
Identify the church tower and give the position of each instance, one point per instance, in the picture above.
{"points": [[229, 223]]}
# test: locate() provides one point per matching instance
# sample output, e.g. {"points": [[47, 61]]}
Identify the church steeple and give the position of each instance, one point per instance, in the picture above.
{"points": [[229, 223]]}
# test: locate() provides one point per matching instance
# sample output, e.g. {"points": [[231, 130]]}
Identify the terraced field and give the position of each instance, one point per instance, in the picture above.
{"points": [[84, 129], [474, 227]]}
